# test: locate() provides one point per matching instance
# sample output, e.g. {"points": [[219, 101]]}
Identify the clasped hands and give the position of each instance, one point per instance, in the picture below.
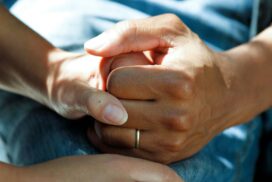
{"points": [[160, 78]]}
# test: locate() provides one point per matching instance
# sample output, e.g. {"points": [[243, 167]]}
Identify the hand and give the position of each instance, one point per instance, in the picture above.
{"points": [[76, 86], [181, 103], [66, 82], [99, 168]]}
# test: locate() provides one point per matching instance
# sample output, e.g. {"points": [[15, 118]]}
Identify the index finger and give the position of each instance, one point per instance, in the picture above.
{"points": [[145, 82]]}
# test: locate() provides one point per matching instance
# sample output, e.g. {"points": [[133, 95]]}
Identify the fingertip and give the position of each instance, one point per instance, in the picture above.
{"points": [[104, 107], [104, 45], [97, 130], [97, 42], [115, 115], [88, 47]]}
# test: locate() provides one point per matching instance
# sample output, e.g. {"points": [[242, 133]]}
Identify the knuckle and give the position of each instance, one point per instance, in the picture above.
{"points": [[126, 28], [178, 122], [181, 86], [175, 145], [174, 123]]}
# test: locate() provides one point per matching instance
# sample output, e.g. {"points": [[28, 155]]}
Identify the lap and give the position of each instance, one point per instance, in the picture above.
{"points": [[231, 156], [34, 134]]}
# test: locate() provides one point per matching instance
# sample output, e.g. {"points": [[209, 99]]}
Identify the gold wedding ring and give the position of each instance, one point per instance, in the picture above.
{"points": [[137, 139]]}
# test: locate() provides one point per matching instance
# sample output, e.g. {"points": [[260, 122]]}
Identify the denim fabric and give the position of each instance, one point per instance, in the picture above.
{"points": [[33, 133], [8, 3], [265, 15], [264, 164]]}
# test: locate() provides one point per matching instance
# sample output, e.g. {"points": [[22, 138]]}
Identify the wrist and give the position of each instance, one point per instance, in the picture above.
{"points": [[25, 59], [246, 71], [50, 79], [36, 83]]}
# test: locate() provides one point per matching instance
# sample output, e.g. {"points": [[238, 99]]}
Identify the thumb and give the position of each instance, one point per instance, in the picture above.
{"points": [[136, 36], [99, 104]]}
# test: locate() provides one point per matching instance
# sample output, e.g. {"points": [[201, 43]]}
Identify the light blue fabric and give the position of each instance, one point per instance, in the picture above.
{"points": [[202, 16], [35, 134]]}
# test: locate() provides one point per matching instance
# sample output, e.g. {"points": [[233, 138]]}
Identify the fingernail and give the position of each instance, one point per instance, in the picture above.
{"points": [[95, 43], [115, 115], [97, 130]]}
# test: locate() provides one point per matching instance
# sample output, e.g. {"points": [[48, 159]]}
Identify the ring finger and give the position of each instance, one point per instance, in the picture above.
{"points": [[124, 137]]}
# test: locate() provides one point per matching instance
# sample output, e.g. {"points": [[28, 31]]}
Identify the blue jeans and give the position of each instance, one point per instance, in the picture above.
{"points": [[33, 134]]}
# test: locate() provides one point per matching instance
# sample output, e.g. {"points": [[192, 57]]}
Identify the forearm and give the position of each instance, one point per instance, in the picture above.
{"points": [[24, 58], [261, 48], [250, 73], [66, 82]]}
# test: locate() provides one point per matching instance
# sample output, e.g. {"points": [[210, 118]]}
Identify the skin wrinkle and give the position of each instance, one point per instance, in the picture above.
{"points": [[202, 88], [60, 81], [251, 104]]}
